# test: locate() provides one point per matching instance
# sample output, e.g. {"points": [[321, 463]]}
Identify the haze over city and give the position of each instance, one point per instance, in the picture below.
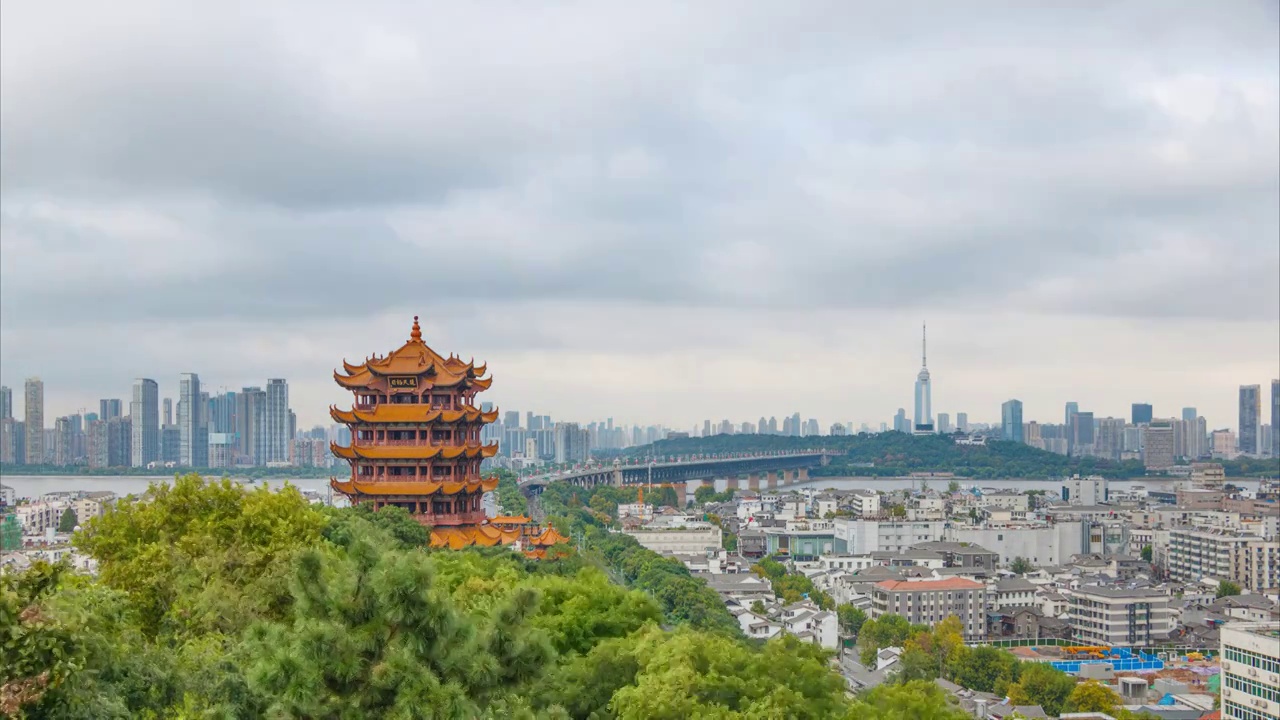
{"points": [[740, 219]]}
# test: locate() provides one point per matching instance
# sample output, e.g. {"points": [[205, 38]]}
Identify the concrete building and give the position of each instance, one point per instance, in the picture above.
{"points": [[1159, 441], [1041, 544], [1195, 553], [1255, 565], [1120, 617], [110, 408], [1141, 414], [692, 539], [1250, 418], [251, 405], [144, 414], [865, 503], [13, 441], [1092, 490], [1275, 418], [1251, 671], [193, 445], [929, 602], [866, 536], [6, 403], [275, 417], [33, 420]]}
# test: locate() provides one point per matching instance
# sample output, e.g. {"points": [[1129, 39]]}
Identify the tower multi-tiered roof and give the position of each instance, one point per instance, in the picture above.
{"points": [[415, 443]]}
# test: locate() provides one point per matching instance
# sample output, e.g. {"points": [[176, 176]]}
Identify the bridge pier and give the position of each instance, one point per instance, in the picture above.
{"points": [[753, 481], [773, 479], [802, 474], [730, 483]]}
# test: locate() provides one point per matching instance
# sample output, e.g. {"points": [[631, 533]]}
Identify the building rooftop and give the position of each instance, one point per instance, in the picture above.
{"points": [[1112, 591], [929, 585]]}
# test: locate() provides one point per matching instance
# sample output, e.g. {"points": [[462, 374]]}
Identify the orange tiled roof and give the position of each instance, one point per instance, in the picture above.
{"points": [[482, 535], [414, 358], [510, 520], [418, 487], [412, 452], [929, 585], [549, 537], [418, 413]]}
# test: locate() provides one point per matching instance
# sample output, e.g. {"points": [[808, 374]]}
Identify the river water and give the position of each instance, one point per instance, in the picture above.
{"points": [[32, 486]]}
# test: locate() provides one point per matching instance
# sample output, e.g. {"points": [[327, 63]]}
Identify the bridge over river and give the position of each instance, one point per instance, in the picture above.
{"points": [[739, 470]]}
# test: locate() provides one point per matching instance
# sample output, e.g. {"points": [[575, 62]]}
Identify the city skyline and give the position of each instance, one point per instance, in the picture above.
{"points": [[681, 229]]}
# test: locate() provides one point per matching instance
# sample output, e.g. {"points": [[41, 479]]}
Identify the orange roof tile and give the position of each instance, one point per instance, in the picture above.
{"points": [[510, 520], [412, 452], [457, 538], [424, 487], [929, 585], [549, 537], [414, 358], [416, 413]]}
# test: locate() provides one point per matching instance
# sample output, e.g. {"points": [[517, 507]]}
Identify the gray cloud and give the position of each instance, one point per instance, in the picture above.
{"points": [[181, 171]]}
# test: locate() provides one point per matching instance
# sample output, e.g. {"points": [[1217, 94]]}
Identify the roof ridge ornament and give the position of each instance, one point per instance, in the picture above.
{"points": [[415, 335]]}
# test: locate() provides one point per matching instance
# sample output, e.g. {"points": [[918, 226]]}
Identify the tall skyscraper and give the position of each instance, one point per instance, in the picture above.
{"points": [[1081, 436], [924, 409], [1011, 421], [251, 406], [962, 422], [168, 411], [222, 413], [1250, 416], [1189, 414], [33, 420], [944, 423], [276, 420], [6, 403], [109, 408], [1275, 418], [796, 428], [900, 422], [1141, 414], [1072, 409], [193, 446], [144, 416]]}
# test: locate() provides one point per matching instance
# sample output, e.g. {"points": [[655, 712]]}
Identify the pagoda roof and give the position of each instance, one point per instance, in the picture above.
{"points": [[414, 358], [413, 487], [412, 452], [510, 520], [457, 538], [549, 537], [416, 413]]}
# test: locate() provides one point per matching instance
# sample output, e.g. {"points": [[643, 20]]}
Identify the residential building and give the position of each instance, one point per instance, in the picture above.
{"points": [[1275, 418], [930, 602], [1255, 565], [1011, 421], [33, 420], [1120, 617], [251, 405], [276, 423], [572, 443], [13, 441], [193, 445], [1222, 444], [865, 503], [1092, 490], [1195, 553], [144, 414], [962, 422], [1250, 671], [1041, 544], [1013, 592], [1250, 418], [221, 450], [167, 418], [6, 403], [689, 539], [1158, 445], [962, 555], [110, 408], [170, 444], [944, 424], [861, 536]]}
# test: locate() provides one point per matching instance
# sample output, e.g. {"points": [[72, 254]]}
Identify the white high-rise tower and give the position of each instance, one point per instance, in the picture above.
{"points": [[924, 408]]}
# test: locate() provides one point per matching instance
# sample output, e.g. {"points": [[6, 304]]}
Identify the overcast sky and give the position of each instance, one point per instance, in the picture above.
{"points": [[659, 212]]}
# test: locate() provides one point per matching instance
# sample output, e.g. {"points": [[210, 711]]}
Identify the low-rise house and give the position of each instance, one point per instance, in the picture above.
{"points": [[1014, 592], [929, 602]]}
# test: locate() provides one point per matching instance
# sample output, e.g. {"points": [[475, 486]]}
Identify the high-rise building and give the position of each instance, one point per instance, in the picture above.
{"points": [[1275, 417], [924, 391], [1250, 685], [1011, 421], [13, 441], [168, 411], [1141, 413], [962, 422], [222, 413], [110, 408], [1250, 417], [1189, 414], [33, 420], [900, 422], [170, 444], [193, 443], [1081, 429], [110, 443], [1158, 445], [1108, 439], [251, 406], [144, 417], [796, 428], [276, 421], [6, 403], [1072, 409], [944, 423]]}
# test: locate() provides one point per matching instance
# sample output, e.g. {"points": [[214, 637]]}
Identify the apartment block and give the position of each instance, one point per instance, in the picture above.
{"points": [[1194, 554], [1251, 671], [931, 601], [1256, 565], [1119, 617]]}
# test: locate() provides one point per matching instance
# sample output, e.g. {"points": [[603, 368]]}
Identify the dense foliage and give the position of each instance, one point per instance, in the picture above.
{"points": [[890, 454], [791, 586], [217, 602], [510, 499]]}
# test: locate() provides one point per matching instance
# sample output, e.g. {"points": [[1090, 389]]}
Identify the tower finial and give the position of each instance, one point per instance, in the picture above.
{"points": [[924, 345], [416, 333]]}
